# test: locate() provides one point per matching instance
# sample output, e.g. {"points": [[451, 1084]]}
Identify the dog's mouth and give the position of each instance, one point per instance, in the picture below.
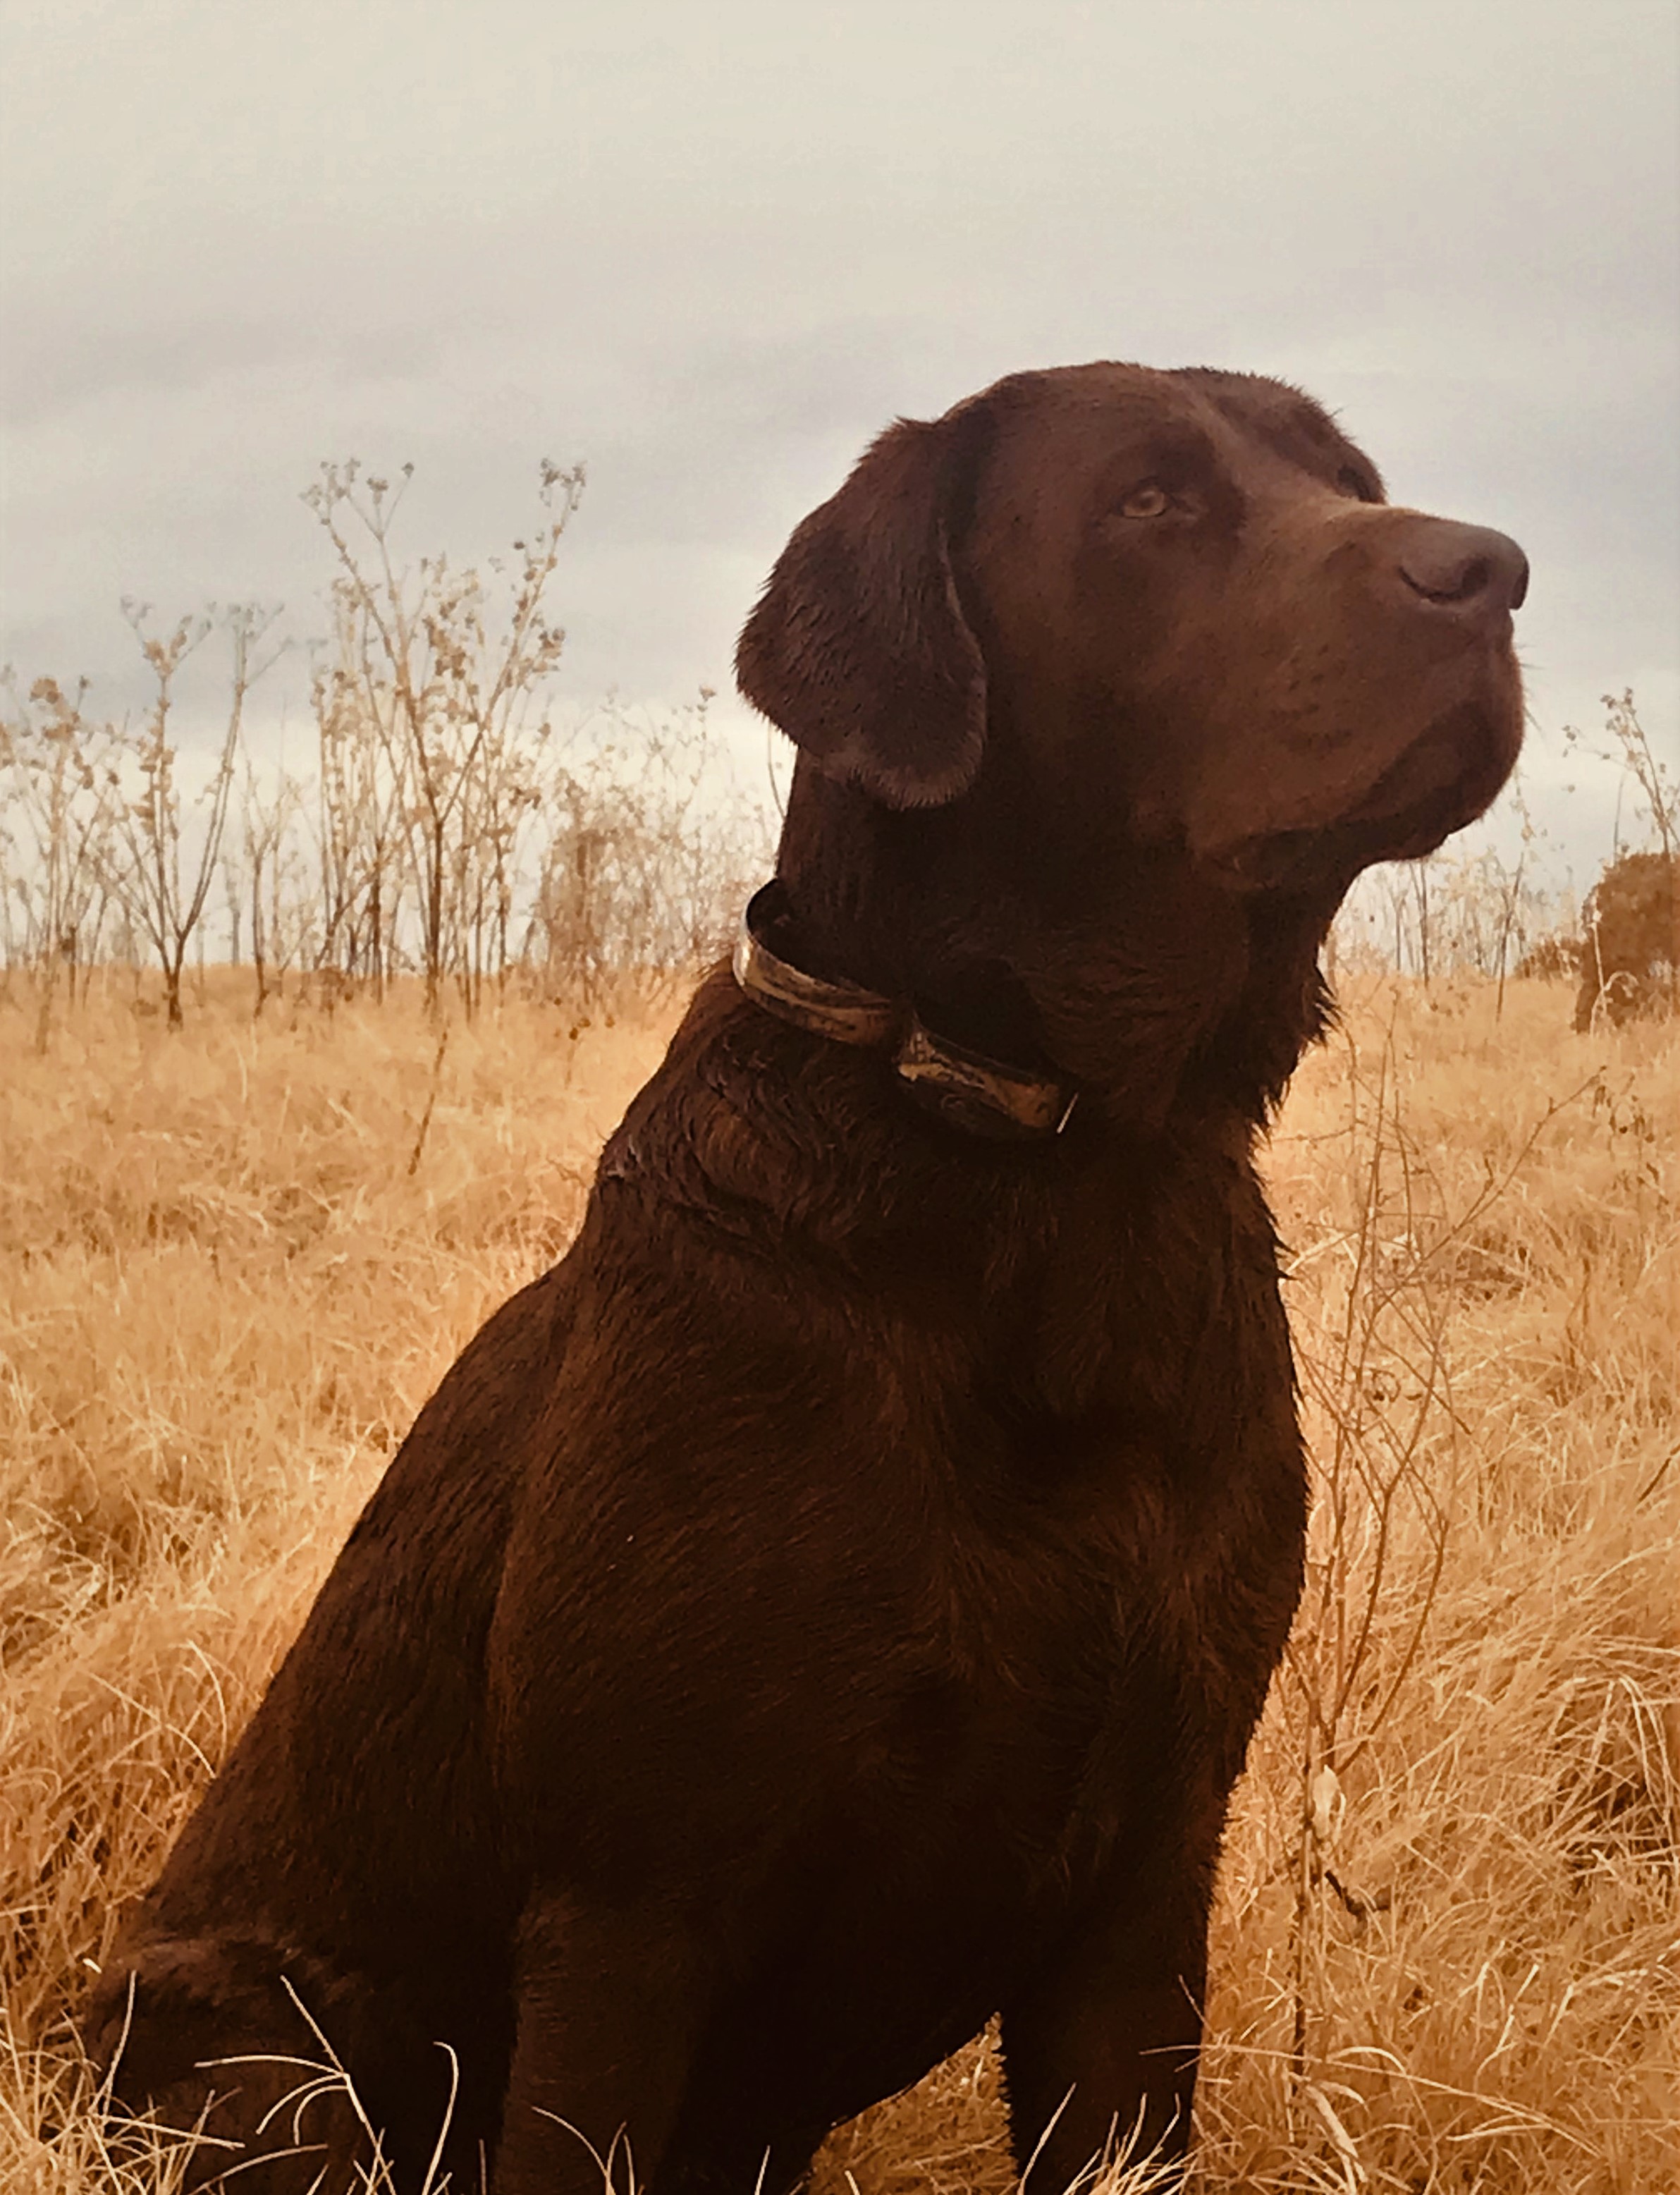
{"points": [[1442, 782]]}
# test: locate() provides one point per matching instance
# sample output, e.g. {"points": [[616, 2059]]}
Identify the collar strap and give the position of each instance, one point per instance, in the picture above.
{"points": [[964, 1088]]}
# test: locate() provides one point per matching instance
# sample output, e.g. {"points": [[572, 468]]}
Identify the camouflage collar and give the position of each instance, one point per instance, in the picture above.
{"points": [[964, 1088]]}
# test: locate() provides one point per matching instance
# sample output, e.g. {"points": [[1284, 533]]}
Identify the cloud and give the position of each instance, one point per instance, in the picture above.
{"points": [[711, 250]]}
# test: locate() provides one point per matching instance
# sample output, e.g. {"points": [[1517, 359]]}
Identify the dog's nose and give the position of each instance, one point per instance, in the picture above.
{"points": [[1466, 571]]}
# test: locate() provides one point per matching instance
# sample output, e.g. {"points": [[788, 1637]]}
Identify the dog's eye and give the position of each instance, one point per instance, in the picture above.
{"points": [[1149, 500]]}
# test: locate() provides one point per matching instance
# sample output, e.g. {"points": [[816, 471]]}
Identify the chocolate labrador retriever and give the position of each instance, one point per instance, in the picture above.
{"points": [[831, 1607]]}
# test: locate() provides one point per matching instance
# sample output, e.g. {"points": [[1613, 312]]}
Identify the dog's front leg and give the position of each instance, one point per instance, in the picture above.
{"points": [[606, 2013], [1099, 2050]]}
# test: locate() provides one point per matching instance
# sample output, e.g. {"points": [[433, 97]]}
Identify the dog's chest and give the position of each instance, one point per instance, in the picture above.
{"points": [[1130, 1402], [1121, 1581], [1117, 1507], [1095, 1652]]}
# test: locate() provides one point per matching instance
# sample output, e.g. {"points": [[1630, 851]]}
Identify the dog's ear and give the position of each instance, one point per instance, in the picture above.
{"points": [[859, 648]]}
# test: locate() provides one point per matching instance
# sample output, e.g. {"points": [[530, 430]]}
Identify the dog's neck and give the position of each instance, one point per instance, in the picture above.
{"points": [[1148, 989]]}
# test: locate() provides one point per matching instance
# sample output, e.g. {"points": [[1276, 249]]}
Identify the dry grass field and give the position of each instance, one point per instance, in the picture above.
{"points": [[232, 1264]]}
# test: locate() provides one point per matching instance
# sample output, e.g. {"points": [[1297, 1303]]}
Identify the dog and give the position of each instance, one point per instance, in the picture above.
{"points": [[831, 1608]]}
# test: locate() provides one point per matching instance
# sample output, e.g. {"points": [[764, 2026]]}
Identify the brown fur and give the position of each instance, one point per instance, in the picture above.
{"points": [[832, 1606]]}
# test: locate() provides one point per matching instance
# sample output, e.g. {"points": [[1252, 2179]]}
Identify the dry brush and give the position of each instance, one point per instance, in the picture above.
{"points": [[1446, 1948]]}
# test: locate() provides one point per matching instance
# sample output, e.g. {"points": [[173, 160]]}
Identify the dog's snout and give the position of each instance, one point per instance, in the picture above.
{"points": [[1466, 570]]}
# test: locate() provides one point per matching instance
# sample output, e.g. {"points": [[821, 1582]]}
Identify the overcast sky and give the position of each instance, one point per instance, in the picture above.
{"points": [[710, 248]]}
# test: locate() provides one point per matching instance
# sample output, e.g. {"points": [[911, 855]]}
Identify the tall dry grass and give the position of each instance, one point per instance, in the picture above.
{"points": [[233, 1263]]}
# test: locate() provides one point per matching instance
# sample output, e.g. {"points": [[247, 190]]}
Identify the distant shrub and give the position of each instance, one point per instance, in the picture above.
{"points": [[1551, 960], [1628, 950]]}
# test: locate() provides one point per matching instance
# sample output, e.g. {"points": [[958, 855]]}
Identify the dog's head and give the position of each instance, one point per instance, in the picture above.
{"points": [[1184, 592], [1103, 640]]}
